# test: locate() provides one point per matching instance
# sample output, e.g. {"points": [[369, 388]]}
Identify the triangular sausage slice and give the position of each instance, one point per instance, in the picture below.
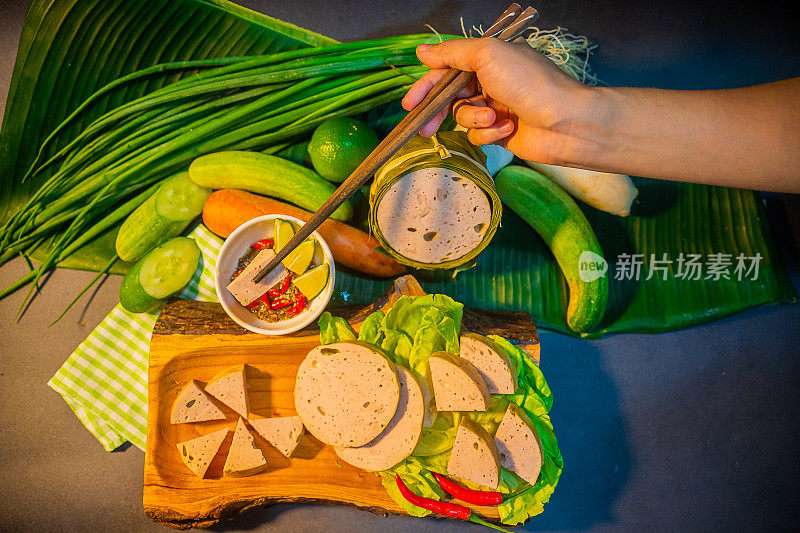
{"points": [[244, 459], [283, 432], [491, 361], [457, 384], [400, 437], [474, 457], [519, 445], [198, 453], [193, 405], [230, 387]]}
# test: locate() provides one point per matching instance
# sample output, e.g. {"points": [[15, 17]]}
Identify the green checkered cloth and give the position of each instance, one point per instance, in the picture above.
{"points": [[104, 381]]}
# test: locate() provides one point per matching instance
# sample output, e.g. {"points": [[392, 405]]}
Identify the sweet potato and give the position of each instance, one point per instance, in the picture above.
{"points": [[227, 209]]}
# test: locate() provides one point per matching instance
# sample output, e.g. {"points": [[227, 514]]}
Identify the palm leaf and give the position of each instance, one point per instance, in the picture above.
{"points": [[70, 48]]}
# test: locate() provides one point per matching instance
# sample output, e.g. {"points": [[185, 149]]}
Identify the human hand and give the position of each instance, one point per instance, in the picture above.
{"points": [[527, 105]]}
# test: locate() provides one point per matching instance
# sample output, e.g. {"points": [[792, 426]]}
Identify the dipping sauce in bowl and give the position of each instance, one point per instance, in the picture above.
{"points": [[283, 300], [290, 297]]}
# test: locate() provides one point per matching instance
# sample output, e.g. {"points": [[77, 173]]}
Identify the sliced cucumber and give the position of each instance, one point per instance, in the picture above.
{"points": [[162, 216], [180, 199], [143, 230], [168, 268], [132, 296]]}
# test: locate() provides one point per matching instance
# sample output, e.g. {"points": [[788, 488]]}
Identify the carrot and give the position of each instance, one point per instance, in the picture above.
{"points": [[227, 209]]}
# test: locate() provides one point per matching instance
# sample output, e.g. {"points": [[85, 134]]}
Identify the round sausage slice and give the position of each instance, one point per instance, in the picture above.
{"points": [[346, 393], [400, 437]]}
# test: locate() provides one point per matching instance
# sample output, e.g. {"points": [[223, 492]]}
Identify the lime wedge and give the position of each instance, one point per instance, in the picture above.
{"points": [[283, 232], [298, 259], [312, 282]]}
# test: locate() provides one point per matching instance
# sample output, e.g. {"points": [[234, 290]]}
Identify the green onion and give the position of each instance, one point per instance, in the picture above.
{"points": [[265, 103]]}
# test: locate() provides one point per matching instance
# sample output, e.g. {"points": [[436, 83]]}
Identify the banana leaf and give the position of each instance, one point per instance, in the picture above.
{"points": [[517, 271], [70, 48]]}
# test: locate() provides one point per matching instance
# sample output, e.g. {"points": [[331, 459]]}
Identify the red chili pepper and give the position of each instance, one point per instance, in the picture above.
{"points": [[442, 508], [299, 304], [263, 244], [279, 304], [236, 274], [478, 497], [258, 301], [274, 293]]}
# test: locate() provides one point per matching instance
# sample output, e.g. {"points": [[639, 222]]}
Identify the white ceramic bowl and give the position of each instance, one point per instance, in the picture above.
{"points": [[235, 246]]}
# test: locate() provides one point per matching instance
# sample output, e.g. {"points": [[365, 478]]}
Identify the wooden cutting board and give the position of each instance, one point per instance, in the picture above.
{"points": [[196, 340]]}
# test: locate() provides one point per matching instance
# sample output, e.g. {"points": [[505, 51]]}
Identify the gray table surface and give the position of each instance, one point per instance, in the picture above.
{"points": [[692, 430]]}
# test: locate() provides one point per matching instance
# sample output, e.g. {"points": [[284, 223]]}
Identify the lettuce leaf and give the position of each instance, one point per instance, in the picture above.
{"points": [[371, 331], [413, 329], [439, 437], [528, 371], [416, 326], [334, 329]]}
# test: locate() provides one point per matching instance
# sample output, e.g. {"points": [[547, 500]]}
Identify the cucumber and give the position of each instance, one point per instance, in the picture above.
{"points": [[164, 215], [180, 199], [556, 217], [161, 273], [132, 295], [168, 268], [267, 175]]}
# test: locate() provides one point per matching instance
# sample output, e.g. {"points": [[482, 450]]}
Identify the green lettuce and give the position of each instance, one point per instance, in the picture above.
{"points": [[413, 329], [439, 437], [534, 396], [371, 331], [334, 329]]}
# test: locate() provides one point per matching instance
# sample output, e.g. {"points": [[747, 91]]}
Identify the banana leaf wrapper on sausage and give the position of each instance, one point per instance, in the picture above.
{"points": [[433, 205]]}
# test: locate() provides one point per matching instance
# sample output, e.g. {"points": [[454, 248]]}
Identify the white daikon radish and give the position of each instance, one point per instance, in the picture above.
{"points": [[612, 193]]}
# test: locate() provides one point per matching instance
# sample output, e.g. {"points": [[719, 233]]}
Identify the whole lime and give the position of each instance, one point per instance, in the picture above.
{"points": [[339, 145]]}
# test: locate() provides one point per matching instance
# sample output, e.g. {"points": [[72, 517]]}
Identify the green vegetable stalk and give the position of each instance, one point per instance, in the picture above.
{"points": [[237, 103]]}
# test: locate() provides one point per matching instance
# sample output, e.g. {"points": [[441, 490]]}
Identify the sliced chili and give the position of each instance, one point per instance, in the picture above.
{"points": [[299, 304], [263, 244], [283, 287], [258, 301], [478, 497], [442, 508], [279, 304]]}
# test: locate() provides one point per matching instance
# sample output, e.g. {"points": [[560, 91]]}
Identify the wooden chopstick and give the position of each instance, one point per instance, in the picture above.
{"points": [[508, 27]]}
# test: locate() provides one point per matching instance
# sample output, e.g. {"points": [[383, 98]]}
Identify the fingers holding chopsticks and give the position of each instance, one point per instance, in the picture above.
{"points": [[457, 53], [420, 89], [487, 121], [471, 55]]}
